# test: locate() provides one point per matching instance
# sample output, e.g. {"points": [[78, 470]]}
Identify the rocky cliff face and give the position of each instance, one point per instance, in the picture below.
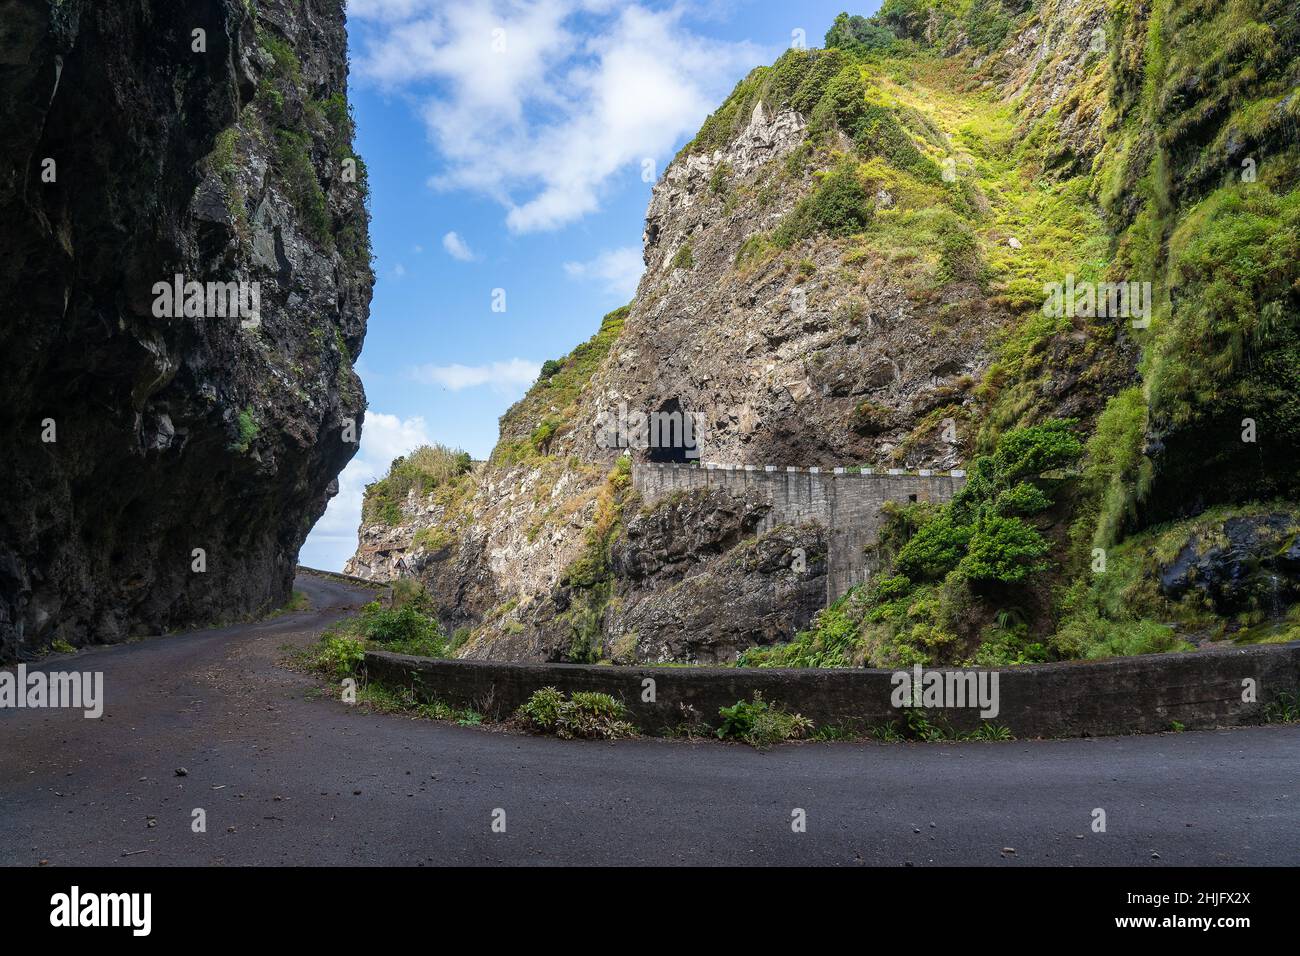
{"points": [[166, 455], [848, 266]]}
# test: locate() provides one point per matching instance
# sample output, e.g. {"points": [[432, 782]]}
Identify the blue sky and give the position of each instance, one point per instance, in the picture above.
{"points": [[506, 142]]}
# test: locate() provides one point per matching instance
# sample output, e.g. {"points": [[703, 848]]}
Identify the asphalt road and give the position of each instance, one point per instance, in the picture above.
{"points": [[286, 775]]}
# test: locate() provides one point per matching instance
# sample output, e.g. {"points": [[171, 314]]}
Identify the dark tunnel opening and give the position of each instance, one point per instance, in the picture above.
{"points": [[672, 435]]}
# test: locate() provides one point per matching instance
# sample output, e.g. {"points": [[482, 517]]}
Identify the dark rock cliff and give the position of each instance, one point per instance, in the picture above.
{"points": [[163, 464]]}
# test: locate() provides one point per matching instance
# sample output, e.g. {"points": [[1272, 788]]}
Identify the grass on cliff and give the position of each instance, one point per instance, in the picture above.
{"points": [[1207, 212], [590, 576], [550, 405], [303, 130], [426, 470]]}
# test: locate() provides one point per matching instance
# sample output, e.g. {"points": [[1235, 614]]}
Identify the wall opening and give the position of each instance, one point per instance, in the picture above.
{"points": [[672, 435]]}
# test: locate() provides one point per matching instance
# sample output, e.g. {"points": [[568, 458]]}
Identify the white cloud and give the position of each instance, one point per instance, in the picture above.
{"points": [[399, 271], [572, 92], [387, 10], [619, 270], [512, 376], [457, 248], [383, 438]]}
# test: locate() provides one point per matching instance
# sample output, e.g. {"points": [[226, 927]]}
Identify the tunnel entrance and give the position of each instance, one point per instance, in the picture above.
{"points": [[672, 436]]}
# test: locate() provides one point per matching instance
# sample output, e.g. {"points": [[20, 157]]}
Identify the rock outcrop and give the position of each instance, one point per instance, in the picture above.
{"points": [[1249, 563], [165, 459]]}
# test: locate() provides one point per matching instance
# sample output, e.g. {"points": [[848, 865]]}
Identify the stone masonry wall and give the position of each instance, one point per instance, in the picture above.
{"points": [[1145, 694], [846, 501]]}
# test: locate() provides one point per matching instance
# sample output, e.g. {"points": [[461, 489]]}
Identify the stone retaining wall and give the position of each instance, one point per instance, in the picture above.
{"points": [[1144, 694], [847, 501]]}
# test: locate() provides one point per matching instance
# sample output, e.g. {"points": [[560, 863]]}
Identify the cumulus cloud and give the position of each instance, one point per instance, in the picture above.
{"points": [[514, 375], [618, 270], [385, 10], [540, 103], [457, 248], [383, 438]]}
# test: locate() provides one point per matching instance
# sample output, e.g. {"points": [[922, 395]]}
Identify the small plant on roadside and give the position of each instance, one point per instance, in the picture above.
{"points": [[829, 732], [585, 714], [918, 726], [761, 724], [1283, 709], [340, 656], [992, 732], [542, 709], [886, 733]]}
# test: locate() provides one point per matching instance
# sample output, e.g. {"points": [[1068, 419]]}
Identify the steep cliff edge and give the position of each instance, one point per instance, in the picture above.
{"points": [[166, 455], [869, 255]]}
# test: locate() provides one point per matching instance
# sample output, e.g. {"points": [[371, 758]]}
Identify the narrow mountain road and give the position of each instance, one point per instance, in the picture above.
{"points": [[285, 775]]}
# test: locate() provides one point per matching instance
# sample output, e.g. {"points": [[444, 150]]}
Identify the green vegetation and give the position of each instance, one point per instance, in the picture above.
{"points": [[917, 724], [429, 469], [298, 601], [798, 79], [590, 576], [839, 206], [760, 724], [530, 425], [313, 146], [408, 626], [293, 158], [1235, 343], [959, 570], [684, 257], [246, 430], [583, 714], [1120, 610], [859, 35], [388, 699], [224, 161], [339, 656], [1283, 709], [1207, 211]]}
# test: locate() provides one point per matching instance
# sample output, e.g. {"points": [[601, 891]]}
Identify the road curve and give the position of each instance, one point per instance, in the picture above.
{"points": [[287, 776]]}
